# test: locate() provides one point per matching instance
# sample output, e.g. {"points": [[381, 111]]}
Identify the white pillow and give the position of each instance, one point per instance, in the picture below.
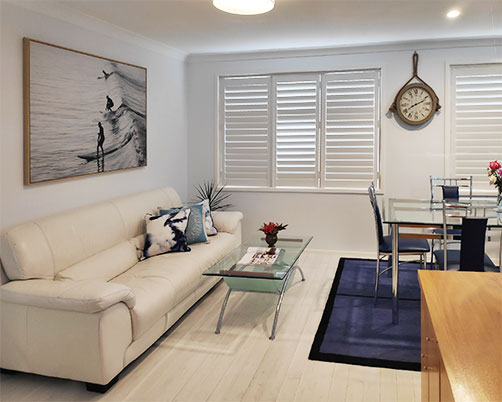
{"points": [[208, 219], [166, 233]]}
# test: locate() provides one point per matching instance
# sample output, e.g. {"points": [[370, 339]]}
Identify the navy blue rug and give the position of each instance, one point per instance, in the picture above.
{"points": [[354, 330]]}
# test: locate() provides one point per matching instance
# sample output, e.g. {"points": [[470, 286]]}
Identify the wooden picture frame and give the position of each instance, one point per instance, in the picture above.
{"points": [[83, 114]]}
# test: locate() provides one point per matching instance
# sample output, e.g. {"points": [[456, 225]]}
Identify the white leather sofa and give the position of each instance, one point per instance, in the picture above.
{"points": [[80, 304]]}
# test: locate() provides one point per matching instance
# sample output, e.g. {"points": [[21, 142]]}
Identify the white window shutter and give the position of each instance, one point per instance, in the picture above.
{"points": [[476, 120], [351, 129], [296, 130], [245, 126]]}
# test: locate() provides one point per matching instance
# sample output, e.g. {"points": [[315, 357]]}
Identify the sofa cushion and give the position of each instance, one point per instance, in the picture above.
{"points": [[196, 229], [161, 282], [134, 207], [103, 266], [166, 233], [210, 229], [227, 221]]}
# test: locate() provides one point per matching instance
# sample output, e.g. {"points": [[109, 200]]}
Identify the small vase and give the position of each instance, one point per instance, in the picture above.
{"points": [[499, 200], [271, 239]]}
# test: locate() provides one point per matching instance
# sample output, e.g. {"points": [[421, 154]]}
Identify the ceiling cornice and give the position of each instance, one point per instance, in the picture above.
{"points": [[350, 49], [76, 17]]}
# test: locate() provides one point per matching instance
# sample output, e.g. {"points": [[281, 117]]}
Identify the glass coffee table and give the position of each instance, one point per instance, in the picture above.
{"points": [[275, 278]]}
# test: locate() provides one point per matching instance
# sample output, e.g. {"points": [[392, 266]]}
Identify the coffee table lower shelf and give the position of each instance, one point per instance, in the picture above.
{"points": [[259, 285]]}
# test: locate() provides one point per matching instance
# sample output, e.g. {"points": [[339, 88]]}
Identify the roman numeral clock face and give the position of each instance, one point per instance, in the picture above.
{"points": [[416, 104]]}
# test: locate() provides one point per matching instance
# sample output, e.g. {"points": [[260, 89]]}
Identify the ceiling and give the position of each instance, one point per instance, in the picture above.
{"points": [[195, 26]]}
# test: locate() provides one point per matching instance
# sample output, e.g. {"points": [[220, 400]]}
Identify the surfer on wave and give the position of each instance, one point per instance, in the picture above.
{"points": [[109, 103], [101, 139]]}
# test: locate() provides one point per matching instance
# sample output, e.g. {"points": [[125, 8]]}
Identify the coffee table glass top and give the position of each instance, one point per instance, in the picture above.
{"points": [[291, 249]]}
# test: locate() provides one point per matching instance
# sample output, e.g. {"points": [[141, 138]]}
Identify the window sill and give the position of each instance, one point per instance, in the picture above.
{"points": [[298, 190]]}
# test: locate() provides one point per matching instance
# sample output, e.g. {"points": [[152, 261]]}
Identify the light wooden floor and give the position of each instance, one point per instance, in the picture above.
{"points": [[192, 363]]}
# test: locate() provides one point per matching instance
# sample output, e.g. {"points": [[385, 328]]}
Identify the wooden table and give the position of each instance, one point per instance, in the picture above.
{"points": [[461, 336]]}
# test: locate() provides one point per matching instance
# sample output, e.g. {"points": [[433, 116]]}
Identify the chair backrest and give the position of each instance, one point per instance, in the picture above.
{"points": [[450, 193], [460, 182], [472, 244], [452, 214], [376, 214]]}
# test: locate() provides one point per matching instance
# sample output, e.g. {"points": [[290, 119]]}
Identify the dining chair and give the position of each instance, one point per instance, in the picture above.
{"points": [[406, 246], [471, 256], [463, 183], [451, 194]]}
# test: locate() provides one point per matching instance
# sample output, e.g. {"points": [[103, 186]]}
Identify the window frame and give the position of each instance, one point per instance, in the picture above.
{"points": [[450, 120], [220, 138]]}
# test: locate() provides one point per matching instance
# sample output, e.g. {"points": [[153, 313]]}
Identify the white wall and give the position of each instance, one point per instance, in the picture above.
{"points": [[341, 222], [166, 137]]}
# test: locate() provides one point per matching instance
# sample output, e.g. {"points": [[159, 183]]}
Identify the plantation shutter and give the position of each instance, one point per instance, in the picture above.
{"points": [[476, 120], [245, 123], [351, 128], [296, 130]]}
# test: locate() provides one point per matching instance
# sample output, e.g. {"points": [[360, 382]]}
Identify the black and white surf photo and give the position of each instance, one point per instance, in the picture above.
{"points": [[87, 114]]}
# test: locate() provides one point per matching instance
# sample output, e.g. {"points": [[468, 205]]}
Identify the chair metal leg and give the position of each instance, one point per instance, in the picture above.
{"points": [[223, 307], [376, 277], [395, 273], [432, 254]]}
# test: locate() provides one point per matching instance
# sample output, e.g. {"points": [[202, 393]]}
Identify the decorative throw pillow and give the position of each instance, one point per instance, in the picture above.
{"points": [[166, 233], [208, 219], [195, 231]]}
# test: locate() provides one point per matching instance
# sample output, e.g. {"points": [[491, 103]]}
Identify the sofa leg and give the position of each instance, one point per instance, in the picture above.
{"points": [[99, 388], [7, 371]]}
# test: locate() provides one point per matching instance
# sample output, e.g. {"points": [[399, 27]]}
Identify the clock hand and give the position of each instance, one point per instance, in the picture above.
{"points": [[418, 103]]}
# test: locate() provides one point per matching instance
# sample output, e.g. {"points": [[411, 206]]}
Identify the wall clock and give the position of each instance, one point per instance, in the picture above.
{"points": [[416, 102]]}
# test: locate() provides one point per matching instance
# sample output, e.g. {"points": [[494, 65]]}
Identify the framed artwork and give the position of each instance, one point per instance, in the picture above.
{"points": [[84, 114]]}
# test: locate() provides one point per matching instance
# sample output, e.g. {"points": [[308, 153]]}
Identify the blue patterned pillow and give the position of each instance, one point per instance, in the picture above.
{"points": [[208, 219], [166, 233], [195, 231]]}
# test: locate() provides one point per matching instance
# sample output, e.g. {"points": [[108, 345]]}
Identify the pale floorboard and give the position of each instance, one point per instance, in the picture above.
{"points": [[192, 363]]}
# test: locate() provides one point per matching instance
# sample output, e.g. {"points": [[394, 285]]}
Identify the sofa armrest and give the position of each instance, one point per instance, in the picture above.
{"points": [[226, 221], [84, 296]]}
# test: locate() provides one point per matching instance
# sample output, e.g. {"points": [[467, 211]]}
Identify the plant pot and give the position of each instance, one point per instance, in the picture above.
{"points": [[271, 239]]}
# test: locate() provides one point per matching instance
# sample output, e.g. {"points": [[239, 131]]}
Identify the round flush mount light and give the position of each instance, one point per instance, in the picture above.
{"points": [[453, 14], [244, 7]]}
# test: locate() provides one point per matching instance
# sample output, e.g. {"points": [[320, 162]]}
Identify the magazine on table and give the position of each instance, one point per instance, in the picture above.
{"points": [[260, 256]]}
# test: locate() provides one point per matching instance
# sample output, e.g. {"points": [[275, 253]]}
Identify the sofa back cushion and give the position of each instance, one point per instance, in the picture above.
{"points": [[46, 246], [103, 266]]}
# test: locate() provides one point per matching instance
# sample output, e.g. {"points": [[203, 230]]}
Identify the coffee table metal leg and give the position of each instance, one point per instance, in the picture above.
{"points": [[301, 273], [279, 303], [223, 307]]}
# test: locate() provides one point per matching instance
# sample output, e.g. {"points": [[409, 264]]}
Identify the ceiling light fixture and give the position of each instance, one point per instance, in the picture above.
{"points": [[453, 14], [244, 7]]}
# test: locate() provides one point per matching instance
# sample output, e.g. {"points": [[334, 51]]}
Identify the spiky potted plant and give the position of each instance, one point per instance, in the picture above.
{"points": [[209, 190]]}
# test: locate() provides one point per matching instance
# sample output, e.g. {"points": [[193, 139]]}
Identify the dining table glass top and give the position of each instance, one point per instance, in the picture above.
{"points": [[427, 212]]}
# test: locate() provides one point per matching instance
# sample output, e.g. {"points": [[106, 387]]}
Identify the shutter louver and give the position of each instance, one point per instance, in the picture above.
{"points": [[476, 120], [351, 129], [246, 131], [296, 130]]}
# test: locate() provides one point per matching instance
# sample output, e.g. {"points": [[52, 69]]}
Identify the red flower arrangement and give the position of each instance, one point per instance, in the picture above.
{"points": [[272, 228], [495, 177]]}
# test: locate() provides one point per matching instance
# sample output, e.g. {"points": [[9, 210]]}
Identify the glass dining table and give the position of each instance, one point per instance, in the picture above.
{"points": [[427, 214]]}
